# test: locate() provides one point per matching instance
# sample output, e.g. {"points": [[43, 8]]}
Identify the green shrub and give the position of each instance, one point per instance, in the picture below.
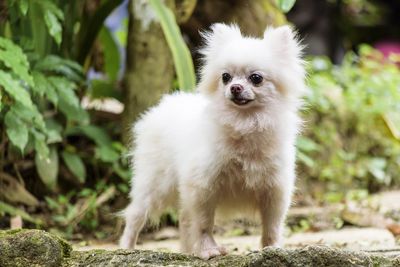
{"points": [[352, 122], [41, 115]]}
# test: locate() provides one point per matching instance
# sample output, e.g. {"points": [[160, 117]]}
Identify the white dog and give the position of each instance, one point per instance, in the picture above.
{"points": [[229, 148]]}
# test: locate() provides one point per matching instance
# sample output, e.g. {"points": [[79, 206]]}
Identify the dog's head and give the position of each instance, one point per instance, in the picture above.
{"points": [[249, 72]]}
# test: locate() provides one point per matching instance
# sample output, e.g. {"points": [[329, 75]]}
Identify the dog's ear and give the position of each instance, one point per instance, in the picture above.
{"points": [[284, 40], [218, 35]]}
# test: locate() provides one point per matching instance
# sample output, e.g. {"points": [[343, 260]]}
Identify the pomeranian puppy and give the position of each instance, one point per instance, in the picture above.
{"points": [[228, 148]]}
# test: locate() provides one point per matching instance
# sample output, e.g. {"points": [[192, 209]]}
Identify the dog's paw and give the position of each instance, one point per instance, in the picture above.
{"points": [[275, 245], [208, 253], [126, 242], [271, 242]]}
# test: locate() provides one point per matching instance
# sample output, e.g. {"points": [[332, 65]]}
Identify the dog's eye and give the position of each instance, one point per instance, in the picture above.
{"points": [[226, 77], [256, 78]]}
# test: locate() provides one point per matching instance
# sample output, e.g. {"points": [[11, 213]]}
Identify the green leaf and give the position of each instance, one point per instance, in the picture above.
{"points": [[392, 120], [52, 95], [50, 62], [30, 116], [52, 7], [44, 87], [286, 5], [309, 162], [41, 147], [122, 33], [53, 137], [68, 102], [64, 67], [41, 84], [40, 37], [111, 53], [53, 25], [14, 89], [90, 28], [54, 130], [13, 211], [376, 167], [47, 168], [124, 173], [75, 165], [17, 131], [14, 58], [53, 17], [65, 90], [180, 53], [97, 134], [102, 89], [306, 144], [23, 6], [73, 113], [106, 154]]}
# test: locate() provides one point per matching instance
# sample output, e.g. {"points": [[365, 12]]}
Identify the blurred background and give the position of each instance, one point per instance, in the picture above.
{"points": [[75, 75]]}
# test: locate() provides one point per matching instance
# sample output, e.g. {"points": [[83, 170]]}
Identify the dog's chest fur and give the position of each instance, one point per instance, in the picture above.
{"points": [[251, 161]]}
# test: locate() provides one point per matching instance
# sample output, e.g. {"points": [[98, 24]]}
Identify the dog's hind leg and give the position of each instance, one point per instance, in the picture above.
{"points": [[149, 199], [136, 215]]}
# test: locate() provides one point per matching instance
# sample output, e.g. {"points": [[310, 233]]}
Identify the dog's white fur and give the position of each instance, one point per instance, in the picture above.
{"points": [[201, 152]]}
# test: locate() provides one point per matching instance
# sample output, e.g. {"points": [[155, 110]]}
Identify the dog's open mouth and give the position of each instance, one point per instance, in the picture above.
{"points": [[241, 101]]}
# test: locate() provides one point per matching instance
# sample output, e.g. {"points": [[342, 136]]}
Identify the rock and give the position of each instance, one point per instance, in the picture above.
{"points": [[350, 238], [364, 217], [31, 248], [167, 233], [39, 248], [318, 256], [308, 256], [98, 258], [319, 217], [389, 201]]}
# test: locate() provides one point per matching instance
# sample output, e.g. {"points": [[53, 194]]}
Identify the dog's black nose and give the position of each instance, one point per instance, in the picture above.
{"points": [[236, 89]]}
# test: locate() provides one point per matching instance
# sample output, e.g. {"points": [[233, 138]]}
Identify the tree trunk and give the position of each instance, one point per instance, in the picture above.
{"points": [[150, 70], [252, 16]]}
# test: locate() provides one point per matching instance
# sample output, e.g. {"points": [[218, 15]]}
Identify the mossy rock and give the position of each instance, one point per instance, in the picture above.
{"points": [[32, 248], [39, 248], [122, 258]]}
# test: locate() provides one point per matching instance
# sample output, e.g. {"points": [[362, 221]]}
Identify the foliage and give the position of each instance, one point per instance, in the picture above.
{"points": [[181, 55], [286, 5], [79, 210], [6, 208], [45, 54], [353, 122], [40, 96], [48, 141], [90, 28]]}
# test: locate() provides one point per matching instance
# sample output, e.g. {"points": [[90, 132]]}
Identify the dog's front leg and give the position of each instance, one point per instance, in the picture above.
{"points": [[273, 208], [197, 222]]}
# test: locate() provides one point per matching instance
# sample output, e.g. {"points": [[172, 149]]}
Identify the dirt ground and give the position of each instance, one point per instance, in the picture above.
{"points": [[370, 225]]}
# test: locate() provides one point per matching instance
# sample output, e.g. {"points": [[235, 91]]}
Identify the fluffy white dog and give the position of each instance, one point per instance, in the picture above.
{"points": [[229, 148]]}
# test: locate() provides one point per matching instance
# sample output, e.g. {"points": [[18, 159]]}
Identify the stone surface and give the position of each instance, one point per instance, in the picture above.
{"points": [[389, 201], [167, 233], [31, 248], [39, 248], [307, 256], [349, 238]]}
